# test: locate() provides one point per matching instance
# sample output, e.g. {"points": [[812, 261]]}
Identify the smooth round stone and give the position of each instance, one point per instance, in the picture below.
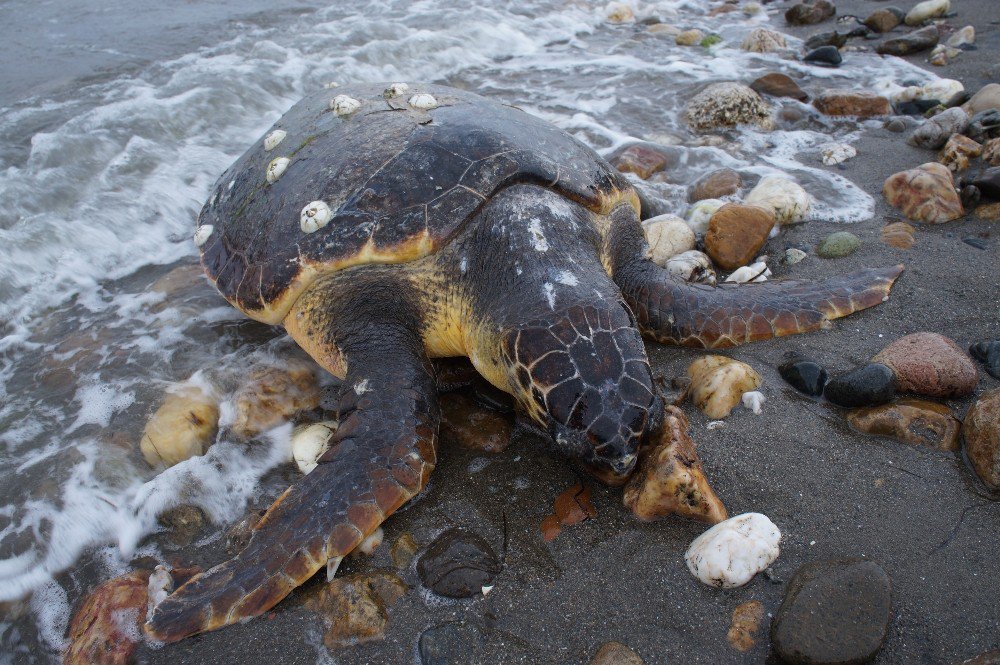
{"points": [[988, 353], [896, 125], [981, 431], [928, 363], [834, 612], [450, 643], [805, 375], [834, 38], [458, 564], [828, 56], [779, 85], [866, 386], [837, 245]]}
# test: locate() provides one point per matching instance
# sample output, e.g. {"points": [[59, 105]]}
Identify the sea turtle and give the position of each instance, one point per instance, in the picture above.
{"points": [[394, 224]]}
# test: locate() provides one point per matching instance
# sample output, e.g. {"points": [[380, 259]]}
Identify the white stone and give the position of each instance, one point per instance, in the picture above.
{"points": [[396, 90], [276, 168], [966, 35], [754, 400], [755, 272], [667, 235], [941, 89], [927, 9], [762, 40], [700, 213], [786, 199], [344, 105], [161, 584], [752, 8], [272, 140], [331, 85], [309, 442], [835, 153], [423, 100], [619, 12], [202, 234], [730, 553], [692, 266], [369, 544], [793, 255], [315, 216]]}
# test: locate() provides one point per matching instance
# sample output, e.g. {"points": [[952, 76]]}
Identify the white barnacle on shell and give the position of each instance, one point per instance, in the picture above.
{"points": [[344, 105], [396, 90], [423, 100], [272, 140], [203, 233], [276, 168], [315, 216]]}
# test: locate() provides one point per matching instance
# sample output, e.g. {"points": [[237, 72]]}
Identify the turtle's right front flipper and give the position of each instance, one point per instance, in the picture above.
{"points": [[380, 456]]}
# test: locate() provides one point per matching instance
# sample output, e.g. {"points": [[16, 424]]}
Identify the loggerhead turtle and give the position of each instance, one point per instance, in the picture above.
{"points": [[394, 225]]}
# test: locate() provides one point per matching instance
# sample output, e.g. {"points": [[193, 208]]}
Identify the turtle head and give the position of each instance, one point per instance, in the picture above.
{"points": [[586, 379]]}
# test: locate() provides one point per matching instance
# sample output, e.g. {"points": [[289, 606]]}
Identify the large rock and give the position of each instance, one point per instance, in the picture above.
{"points": [[988, 182], [715, 185], [779, 85], [986, 99], [912, 421], [930, 364], [915, 42], [811, 13], [727, 104], [988, 353], [786, 199], [870, 385], [958, 151], [108, 624], [730, 553], [982, 437], [834, 612], [859, 103], [183, 426], [762, 40], [718, 384], [356, 607], [736, 232], [924, 194], [936, 131]]}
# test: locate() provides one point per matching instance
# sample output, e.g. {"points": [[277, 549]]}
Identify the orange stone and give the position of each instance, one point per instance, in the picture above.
{"points": [[924, 194], [640, 160], [852, 103], [736, 232]]}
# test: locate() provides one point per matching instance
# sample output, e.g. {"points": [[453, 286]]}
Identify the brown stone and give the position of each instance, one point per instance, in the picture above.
{"points": [[913, 421], [924, 194], [640, 160], [898, 235], [472, 426], [930, 364], [403, 551], [746, 622], [715, 185], [990, 212], [104, 629], [272, 395], [958, 151], [811, 13], [616, 653], [991, 152], [882, 20], [736, 232], [356, 607], [778, 85], [982, 437], [183, 426], [857, 103]]}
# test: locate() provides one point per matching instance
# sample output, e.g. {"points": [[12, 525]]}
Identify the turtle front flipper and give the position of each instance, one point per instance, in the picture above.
{"points": [[380, 456], [673, 311]]}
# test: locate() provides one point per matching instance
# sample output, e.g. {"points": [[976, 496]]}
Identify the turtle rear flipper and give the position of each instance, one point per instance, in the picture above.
{"points": [[380, 456]]}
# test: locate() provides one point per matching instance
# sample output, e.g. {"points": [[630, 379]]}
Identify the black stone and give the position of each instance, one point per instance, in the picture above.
{"points": [[458, 564], [833, 38], [916, 106], [970, 196], [988, 353], [988, 182], [833, 612], [973, 241], [805, 375], [853, 26], [450, 643], [921, 40], [827, 56], [867, 386], [984, 125], [958, 99]]}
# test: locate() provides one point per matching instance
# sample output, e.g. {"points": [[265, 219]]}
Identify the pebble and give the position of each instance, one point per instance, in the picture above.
{"points": [[833, 38], [670, 479], [762, 40], [616, 653], [970, 196], [924, 194], [668, 236], [837, 153], [827, 56], [183, 426], [715, 185], [356, 607], [853, 26], [736, 232], [810, 14], [870, 385], [914, 421], [403, 550], [958, 151], [982, 437], [896, 125], [640, 160], [472, 426], [962, 37], [786, 199], [271, 395], [936, 131], [700, 214], [858, 103], [692, 266], [988, 353], [182, 523], [988, 182], [690, 37], [727, 104], [804, 374], [794, 255], [755, 272], [930, 364], [884, 20], [915, 42], [730, 553], [452, 643], [927, 10], [718, 383], [619, 12], [779, 85], [837, 245], [988, 97], [458, 564], [108, 624], [898, 235], [833, 612], [984, 126]]}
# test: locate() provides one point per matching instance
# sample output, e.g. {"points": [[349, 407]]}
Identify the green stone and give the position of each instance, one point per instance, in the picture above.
{"points": [[711, 40], [838, 244]]}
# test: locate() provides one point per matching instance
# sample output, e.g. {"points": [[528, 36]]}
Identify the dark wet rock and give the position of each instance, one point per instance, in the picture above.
{"points": [[805, 375], [884, 20], [108, 624], [930, 364], [915, 42], [452, 643], [458, 564], [852, 26], [715, 185], [821, 39], [472, 426], [912, 421], [837, 245], [924, 194], [970, 196], [984, 126], [651, 204], [811, 13], [866, 386], [616, 653], [988, 353], [356, 607], [916, 107], [779, 85], [858, 103], [896, 125], [736, 232], [982, 437], [978, 243], [935, 132], [828, 56], [641, 160], [182, 523], [833, 612], [988, 183]]}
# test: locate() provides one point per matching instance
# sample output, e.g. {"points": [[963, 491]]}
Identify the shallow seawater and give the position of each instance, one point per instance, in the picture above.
{"points": [[101, 303]]}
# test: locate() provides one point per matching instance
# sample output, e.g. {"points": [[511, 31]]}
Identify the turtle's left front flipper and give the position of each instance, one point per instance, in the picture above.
{"points": [[673, 311], [380, 456]]}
